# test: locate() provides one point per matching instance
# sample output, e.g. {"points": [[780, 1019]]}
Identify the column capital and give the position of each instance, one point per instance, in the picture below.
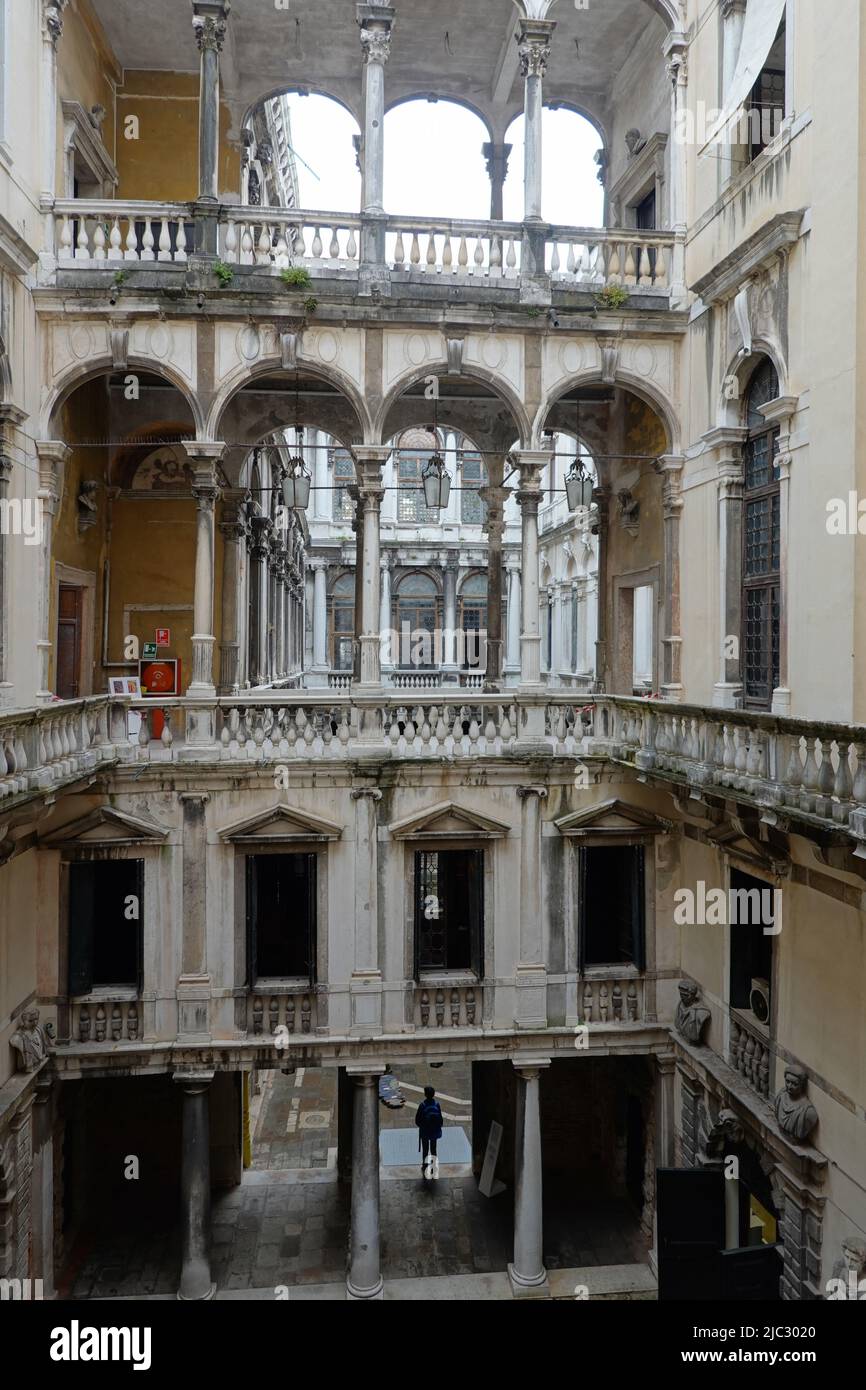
{"points": [[210, 22], [496, 156], [52, 19], [530, 1067], [670, 468], [676, 49], [526, 792], [232, 523], [366, 1073], [193, 1082], [733, 7], [533, 45], [375, 23], [317, 563]]}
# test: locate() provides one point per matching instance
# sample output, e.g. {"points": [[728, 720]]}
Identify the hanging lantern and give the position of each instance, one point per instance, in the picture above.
{"points": [[296, 484], [578, 487], [437, 482]]}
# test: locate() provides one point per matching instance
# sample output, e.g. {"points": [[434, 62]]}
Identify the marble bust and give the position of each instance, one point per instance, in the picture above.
{"points": [[691, 1016], [795, 1113], [31, 1040]]}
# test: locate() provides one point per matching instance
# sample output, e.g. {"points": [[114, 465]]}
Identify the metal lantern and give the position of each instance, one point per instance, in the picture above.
{"points": [[578, 487], [437, 482], [296, 485]]}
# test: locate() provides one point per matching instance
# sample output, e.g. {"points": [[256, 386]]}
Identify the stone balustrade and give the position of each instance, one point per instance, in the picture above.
{"points": [[749, 1054], [291, 1007], [592, 259], [54, 744], [610, 998], [95, 232], [444, 1004], [279, 238], [454, 249], [105, 1021]]}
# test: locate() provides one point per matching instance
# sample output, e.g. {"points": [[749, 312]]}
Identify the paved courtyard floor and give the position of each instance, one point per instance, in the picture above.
{"points": [[287, 1224]]}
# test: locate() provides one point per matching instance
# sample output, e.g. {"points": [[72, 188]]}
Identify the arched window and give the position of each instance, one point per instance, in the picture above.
{"points": [[472, 618], [761, 544], [344, 474], [342, 625], [473, 475], [414, 448], [417, 621]]}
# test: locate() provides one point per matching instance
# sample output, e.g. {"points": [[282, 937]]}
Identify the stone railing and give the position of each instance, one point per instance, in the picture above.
{"points": [[56, 743], [279, 238], [105, 1020], [610, 998], [443, 1004], [289, 1007], [750, 1054], [595, 259], [793, 767], [454, 249], [95, 231]]}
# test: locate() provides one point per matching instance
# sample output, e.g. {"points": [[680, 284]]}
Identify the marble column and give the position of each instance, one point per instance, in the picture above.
{"points": [[671, 469], [531, 970], [494, 499], [358, 530], [195, 1276], [366, 982], [51, 455], [781, 412], [449, 645], [531, 464], [261, 529], [386, 655], [728, 690], [512, 650], [496, 156], [601, 498], [375, 22], [209, 23], [365, 1278], [52, 30], [319, 565], [322, 510], [676, 54], [11, 420], [204, 458], [533, 44], [527, 1273], [194, 981], [232, 532], [369, 462]]}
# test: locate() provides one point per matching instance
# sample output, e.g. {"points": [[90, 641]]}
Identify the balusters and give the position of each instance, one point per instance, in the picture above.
{"points": [[164, 252], [147, 241]]}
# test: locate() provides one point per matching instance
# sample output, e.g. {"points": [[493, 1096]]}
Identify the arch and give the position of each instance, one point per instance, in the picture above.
{"points": [[424, 584], [79, 374], [271, 365], [627, 381], [572, 134], [343, 586], [437, 98], [742, 369], [449, 181], [474, 582], [503, 392], [305, 89]]}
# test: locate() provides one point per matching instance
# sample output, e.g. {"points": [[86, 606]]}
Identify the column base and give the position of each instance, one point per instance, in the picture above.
{"points": [[354, 1295], [727, 695], [197, 1297], [537, 1286], [781, 702]]}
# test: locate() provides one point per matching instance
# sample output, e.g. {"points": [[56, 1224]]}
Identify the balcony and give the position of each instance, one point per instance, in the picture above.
{"points": [[95, 235]]}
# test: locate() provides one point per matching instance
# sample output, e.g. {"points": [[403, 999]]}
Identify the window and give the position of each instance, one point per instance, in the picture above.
{"points": [[281, 917], [473, 621], [342, 623], [449, 910], [473, 512], [611, 905], [761, 546], [417, 600], [106, 900], [751, 910], [766, 105], [344, 475], [414, 449]]}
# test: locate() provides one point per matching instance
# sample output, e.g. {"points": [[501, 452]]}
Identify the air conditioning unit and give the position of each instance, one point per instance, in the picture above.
{"points": [[759, 1000]]}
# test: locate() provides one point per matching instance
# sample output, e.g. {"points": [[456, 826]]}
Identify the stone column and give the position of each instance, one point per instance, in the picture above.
{"points": [[385, 656], [369, 461], [321, 494], [533, 44], [195, 1278], [375, 22], [51, 455], [358, 529], [494, 499], [531, 971], [676, 53], [52, 30], [204, 458], [194, 982], [601, 497], [282, 616], [42, 1187], [512, 651], [232, 532], [527, 1273], [365, 1278], [664, 1138], [319, 566], [496, 157], [734, 17], [209, 23], [728, 691], [449, 646], [671, 469], [261, 529], [781, 412], [366, 983], [531, 464]]}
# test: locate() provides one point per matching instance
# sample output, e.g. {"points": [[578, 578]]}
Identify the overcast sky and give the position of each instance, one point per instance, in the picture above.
{"points": [[434, 166]]}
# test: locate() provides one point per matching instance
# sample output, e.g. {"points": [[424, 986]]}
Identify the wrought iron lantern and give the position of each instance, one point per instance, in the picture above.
{"points": [[296, 482], [579, 487], [437, 482]]}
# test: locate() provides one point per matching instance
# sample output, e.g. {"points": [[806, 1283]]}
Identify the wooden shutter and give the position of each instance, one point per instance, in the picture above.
{"points": [[82, 907]]}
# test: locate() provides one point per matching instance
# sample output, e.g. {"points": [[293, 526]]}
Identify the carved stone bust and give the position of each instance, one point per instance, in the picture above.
{"points": [[691, 1016], [31, 1040], [850, 1270], [795, 1113]]}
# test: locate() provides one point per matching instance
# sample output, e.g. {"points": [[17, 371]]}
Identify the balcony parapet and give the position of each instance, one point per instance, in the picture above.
{"points": [[54, 744]]}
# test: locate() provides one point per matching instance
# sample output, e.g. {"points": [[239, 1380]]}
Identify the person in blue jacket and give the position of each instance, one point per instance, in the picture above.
{"points": [[428, 1118]]}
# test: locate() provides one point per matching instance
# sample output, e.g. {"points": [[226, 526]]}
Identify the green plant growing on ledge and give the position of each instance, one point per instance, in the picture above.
{"points": [[223, 273], [119, 277], [311, 304], [296, 277], [611, 297]]}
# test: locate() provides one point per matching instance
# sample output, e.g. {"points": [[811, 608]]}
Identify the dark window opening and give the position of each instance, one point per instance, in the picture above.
{"points": [[766, 105], [106, 921], [761, 574], [449, 910], [751, 910], [611, 905], [281, 916]]}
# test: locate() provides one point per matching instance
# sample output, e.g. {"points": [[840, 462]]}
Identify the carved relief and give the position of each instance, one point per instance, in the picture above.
{"points": [[32, 1040]]}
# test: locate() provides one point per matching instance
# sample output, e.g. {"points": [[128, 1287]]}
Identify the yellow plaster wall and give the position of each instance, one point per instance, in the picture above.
{"points": [[166, 105], [86, 72]]}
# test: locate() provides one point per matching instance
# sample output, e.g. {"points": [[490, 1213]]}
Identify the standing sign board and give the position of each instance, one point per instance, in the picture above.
{"points": [[489, 1186]]}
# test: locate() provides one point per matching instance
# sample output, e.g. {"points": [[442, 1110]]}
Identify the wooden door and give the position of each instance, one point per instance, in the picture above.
{"points": [[69, 641]]}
